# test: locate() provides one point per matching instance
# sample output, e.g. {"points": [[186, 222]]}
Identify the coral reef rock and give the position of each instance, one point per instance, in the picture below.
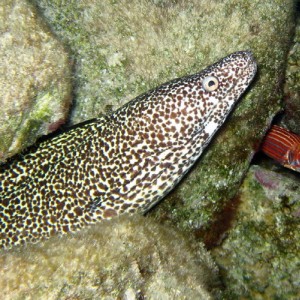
{"points": [[35, 85], [126, 258], [260, 256]]}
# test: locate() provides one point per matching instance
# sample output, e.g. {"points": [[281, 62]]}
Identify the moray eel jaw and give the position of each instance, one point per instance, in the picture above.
{"points": [[122, 163]]}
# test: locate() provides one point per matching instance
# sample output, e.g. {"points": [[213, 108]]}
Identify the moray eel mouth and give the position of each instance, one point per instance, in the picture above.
{"points": [[121, 163]]}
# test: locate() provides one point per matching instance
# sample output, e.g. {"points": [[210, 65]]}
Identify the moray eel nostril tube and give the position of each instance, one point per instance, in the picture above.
{"points": [[124, 162]]}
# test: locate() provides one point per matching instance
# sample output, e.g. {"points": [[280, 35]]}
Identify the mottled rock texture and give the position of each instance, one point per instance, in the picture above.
{"points": [[291, 117], [35, 85], [122, 259], [260, 256]]}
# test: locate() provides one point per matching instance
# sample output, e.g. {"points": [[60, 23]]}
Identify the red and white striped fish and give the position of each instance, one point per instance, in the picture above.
{"points": [[283, 146]]}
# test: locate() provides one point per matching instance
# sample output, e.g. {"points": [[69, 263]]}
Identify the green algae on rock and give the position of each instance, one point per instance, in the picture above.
{"points": [[125, 258], [260, 255], [34, 79], [291, 118]]}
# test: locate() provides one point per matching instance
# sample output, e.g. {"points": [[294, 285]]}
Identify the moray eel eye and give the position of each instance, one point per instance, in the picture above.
{"points": [[210, 83]]}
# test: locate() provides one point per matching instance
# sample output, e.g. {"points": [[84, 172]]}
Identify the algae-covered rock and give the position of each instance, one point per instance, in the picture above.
{"points": [[260, 258], [291, 118], [121, 259], [34, 78], [123, 48]]}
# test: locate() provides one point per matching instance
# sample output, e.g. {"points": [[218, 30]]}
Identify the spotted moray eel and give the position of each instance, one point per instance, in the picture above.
{"points": [[121, 163]]}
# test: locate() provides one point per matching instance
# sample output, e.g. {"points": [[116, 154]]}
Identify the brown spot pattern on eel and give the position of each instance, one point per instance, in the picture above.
{"points": [[124, 162]]}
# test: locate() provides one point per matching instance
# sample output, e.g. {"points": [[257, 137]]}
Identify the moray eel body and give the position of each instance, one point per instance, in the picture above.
{"points": [[124, 162]]}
